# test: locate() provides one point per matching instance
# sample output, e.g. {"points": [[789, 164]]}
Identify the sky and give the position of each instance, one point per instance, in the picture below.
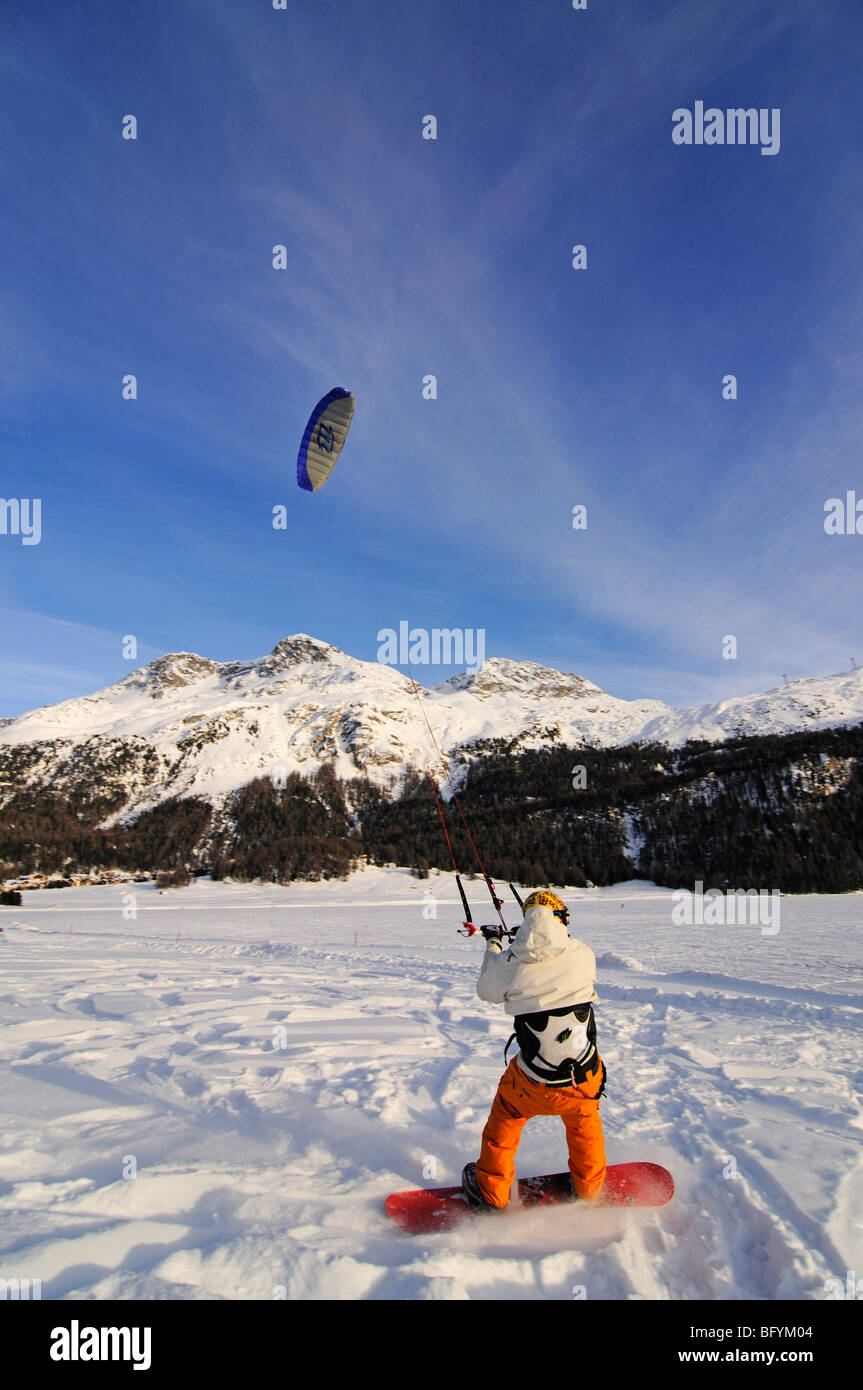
{"points": [[451, 257]]}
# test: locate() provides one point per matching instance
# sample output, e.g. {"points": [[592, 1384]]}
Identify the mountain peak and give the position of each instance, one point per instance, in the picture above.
{"points": [[169, 672], [499, 675], [294, 651]]}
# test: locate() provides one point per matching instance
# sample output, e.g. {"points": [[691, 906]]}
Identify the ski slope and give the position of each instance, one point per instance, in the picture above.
{"points": [[263, 1156]]}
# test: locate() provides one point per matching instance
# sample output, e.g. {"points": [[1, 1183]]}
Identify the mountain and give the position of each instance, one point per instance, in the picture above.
{"points": [[184, 725]]}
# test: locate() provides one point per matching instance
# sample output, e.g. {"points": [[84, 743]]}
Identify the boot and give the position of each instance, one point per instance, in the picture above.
{"points": [[471, 1190]]}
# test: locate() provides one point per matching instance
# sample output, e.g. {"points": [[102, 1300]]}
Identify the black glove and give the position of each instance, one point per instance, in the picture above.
{"points": [[493, 933]]}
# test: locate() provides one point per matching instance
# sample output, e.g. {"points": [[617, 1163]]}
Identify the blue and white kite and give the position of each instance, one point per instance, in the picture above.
{"points": [[325, 434]]}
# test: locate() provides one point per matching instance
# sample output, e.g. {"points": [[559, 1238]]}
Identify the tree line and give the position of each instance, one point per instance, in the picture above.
{"points": [[777, 811]]}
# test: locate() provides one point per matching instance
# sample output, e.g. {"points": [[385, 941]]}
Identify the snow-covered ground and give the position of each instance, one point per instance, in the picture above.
{"points": [[273, 1061]]}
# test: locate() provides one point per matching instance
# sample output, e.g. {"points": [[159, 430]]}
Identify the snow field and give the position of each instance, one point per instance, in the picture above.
{"points": [[270, 1062]]}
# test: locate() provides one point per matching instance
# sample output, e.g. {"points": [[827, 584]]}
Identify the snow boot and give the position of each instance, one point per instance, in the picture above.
{"points": [[471, 1189]]}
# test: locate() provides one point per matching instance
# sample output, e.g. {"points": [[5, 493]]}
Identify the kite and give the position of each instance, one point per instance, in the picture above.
{"points": [[324, 437]]}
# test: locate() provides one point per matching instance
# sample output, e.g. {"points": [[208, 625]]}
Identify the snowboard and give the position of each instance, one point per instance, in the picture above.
{"points": [[440, 1208]]}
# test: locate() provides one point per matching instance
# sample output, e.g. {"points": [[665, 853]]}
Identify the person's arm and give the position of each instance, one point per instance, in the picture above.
{"points": [[494, 975]]}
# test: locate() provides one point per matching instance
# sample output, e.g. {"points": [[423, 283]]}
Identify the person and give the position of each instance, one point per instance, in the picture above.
{"points": [[546, 981]]}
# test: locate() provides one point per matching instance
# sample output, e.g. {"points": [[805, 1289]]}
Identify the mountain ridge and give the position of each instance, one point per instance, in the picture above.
{"points": [[185, 725]]}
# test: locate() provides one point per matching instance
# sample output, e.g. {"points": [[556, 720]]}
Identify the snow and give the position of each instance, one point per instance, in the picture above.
{"points": [[262, 1168]]}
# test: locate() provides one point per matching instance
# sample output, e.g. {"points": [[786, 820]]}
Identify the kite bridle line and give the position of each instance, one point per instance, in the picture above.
{"points": [[328, 427], [498, 902], [470, 929]]}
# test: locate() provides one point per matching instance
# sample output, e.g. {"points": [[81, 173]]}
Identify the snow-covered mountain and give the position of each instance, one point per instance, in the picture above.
{"points": [[184, 725]]}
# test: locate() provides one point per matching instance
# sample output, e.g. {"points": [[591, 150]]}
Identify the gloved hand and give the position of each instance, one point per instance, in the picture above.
{"points": [[493, 933]]}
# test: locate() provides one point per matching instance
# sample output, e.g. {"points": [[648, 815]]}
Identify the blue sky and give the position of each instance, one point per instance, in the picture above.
{"points": [[556, 387]]}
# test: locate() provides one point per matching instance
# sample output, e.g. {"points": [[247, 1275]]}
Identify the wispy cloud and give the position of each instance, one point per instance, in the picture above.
{"points": [[406, 258]]}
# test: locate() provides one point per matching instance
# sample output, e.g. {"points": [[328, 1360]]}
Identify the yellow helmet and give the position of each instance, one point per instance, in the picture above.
{"points": [[544, 898]]}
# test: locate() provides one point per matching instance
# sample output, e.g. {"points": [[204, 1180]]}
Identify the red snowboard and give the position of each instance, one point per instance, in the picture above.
{"points": [[439, 1208]]}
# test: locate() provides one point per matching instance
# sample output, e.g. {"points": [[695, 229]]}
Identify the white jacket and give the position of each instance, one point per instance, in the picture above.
{"points": [[544, 968]]}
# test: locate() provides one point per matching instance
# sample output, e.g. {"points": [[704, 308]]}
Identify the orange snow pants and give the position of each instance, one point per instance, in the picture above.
{"points": [[518, 1100]]}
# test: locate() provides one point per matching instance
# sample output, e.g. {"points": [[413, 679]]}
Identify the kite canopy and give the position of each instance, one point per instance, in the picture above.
{"points": [[325, 434]]}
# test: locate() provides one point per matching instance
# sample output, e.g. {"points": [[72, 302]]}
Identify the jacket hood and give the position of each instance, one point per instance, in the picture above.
{"points": [[540, 935]]}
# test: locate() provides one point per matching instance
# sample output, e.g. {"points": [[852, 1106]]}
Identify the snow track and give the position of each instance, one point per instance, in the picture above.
{"points": [[269, 1074]]}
